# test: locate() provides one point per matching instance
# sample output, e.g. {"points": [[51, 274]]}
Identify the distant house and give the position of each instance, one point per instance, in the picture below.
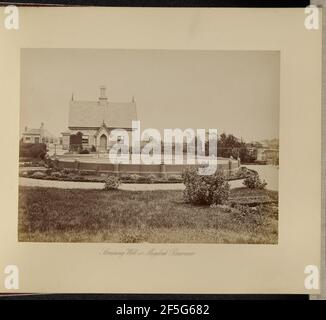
{"points": [[90, 122], [40, 135]]}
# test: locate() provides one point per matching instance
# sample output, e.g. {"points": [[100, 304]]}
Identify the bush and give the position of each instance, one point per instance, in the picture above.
{"points": [[145, 179], [254, 182], [40, 163], [52, 164], [210, 189], [39, 175], [148, 178], [125, 177], [84, 151], [32, 150], [175, 177], [71, 175], [244, 172], [134, 177], [56, 174], [93, 149], [86, 173], [71, 171], [152, 177], [112, 183], [34, 163], [77, 178]]}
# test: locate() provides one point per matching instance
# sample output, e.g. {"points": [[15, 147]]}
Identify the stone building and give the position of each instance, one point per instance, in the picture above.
{"points": [[38, 135], [92, 122]]}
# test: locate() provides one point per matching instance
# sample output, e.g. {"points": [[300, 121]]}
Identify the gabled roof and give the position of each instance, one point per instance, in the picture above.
{"points": [[102, 129], [39, 131], [92, 114], [32, 131]]}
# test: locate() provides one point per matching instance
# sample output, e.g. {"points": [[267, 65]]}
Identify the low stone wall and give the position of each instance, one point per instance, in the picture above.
{"points": [[142, 169]]}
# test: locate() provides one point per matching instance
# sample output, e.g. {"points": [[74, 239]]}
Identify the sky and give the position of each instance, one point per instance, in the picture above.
{"points": [[232, 91]]}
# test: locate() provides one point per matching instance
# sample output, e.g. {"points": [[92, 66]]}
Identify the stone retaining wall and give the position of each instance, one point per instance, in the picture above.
{"points": [[142, 169]]}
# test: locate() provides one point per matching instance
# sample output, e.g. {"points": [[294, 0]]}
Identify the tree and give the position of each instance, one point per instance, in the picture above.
{"points": [[230, 146]]}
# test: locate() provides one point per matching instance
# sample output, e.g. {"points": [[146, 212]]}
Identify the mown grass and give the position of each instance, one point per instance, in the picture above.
{"points": [[60, 215]]}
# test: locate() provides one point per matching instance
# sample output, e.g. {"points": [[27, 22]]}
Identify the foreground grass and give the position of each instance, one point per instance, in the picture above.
{"points": [[60, 215]]}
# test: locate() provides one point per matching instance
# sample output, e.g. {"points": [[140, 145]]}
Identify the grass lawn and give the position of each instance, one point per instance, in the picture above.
{"points": [[75, 215]]}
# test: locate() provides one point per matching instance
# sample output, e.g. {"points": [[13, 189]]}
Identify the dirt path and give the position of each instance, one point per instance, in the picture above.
{"points": [[269, 173], [29, 182]]}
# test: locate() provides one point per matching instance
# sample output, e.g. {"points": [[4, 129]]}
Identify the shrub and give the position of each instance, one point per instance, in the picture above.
{"points": [[24, 174], [41, 163], [148, 178], [56, 174], [175, 177], [84, 151], [244, 172], [134, 177], [86, 173], [253, 182], [39, 174], [209, 189], [32, 150], [144, 179], [93, 148], [48, 171], [34, 163], [125, 177], [73, 171], [77, 178], [49, 163], [152, 177], [112, 183]]}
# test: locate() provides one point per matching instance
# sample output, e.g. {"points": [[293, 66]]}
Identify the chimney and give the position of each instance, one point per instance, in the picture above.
{"points": [[103, 94], [42, 130]]}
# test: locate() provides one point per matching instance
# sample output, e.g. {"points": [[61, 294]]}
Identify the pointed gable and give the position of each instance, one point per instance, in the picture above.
{"points": [[91, 114]]}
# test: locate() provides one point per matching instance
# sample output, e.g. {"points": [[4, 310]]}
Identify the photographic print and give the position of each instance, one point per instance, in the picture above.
{"points": [[149, 146], [161, 150]]}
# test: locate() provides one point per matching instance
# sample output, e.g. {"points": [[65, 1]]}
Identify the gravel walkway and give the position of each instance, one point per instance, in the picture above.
{"points": [[269, 173], [29, 182]]}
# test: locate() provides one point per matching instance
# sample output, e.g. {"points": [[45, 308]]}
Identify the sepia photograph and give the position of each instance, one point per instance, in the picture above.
{"points": [[161, 152], [149, 146]]}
